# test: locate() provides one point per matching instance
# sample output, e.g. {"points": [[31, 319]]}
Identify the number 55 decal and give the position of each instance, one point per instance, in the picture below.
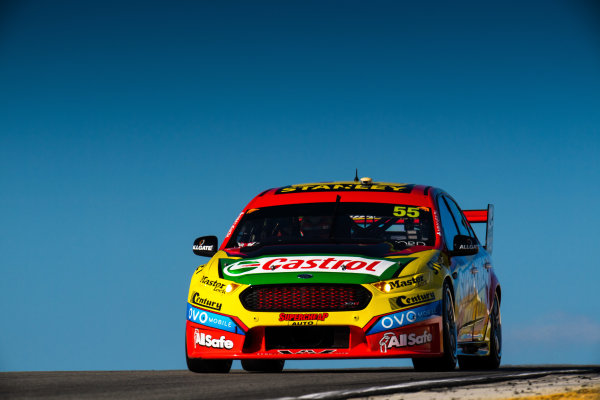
{"points": [[403, 211]]}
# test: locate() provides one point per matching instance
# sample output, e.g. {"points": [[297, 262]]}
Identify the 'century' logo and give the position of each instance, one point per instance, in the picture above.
{"points": [[197, 299], [405, 301]]}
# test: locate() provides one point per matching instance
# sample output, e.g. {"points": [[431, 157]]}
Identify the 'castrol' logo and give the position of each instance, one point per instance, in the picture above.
{"points": [[344, 264]]}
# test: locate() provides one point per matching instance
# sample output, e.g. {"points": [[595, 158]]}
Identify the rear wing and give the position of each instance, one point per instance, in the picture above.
{"points": [[481, 216]]}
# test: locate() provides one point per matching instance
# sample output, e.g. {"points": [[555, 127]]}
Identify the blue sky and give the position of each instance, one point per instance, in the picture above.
{"points": [[127, 129]]}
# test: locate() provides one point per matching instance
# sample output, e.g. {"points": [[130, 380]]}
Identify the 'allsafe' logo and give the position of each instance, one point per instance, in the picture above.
{"points": [[390, 340], [202, 339]]}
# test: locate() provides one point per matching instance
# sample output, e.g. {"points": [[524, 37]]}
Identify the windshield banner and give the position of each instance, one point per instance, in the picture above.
{"points": [[338, 264], [326, 187]]}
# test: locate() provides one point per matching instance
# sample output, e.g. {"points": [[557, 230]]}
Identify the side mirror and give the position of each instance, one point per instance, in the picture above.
{"points": [[464, 246], [206, 246]]}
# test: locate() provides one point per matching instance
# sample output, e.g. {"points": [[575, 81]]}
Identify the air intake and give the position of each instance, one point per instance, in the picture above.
{"points": [[315, 297]]}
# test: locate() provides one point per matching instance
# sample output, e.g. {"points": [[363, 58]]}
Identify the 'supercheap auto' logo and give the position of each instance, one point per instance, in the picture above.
{"points": [[344, 264]]}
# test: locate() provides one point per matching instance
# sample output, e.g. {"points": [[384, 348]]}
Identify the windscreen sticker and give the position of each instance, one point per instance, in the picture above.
{"points": [[410, 212], [321, 187], [230, 231], [340, 264], [408, 317]]}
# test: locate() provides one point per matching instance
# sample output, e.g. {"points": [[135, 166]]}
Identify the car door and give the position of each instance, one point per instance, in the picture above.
{"points": [[464, 279], [479, 269]]}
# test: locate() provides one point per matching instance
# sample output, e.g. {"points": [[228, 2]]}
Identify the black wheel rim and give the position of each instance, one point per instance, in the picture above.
{"points": [[497, 328]]}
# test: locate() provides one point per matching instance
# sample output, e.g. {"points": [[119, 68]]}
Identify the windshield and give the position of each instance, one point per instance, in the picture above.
{"points": [[400, 225]]}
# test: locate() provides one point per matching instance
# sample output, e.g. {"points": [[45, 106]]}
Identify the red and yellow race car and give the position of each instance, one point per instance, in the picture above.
{"points": [[356, 269]]}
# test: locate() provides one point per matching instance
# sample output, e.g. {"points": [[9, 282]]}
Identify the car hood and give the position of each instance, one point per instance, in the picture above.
{"points": [[312, 268]]}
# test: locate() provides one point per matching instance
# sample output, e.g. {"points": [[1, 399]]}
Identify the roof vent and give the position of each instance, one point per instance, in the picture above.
{"points": [[366, 181]]}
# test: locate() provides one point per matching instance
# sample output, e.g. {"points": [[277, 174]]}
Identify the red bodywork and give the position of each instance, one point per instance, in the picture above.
{"points": [[360, 346]]}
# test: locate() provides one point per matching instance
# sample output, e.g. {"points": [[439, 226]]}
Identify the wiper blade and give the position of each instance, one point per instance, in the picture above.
{"points": [[252, 247], [313, 241], [258, 245]]}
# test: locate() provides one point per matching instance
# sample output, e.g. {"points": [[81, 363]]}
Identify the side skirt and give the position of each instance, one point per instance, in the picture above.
{"points": [[473, 349]]}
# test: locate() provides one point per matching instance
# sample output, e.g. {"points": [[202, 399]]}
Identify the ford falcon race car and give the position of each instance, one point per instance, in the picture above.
{"points": [[357, 269]]}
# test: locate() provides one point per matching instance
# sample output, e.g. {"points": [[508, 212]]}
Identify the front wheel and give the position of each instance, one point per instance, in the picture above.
{"points": [[447, 361], [199, 365], [263, 365]]}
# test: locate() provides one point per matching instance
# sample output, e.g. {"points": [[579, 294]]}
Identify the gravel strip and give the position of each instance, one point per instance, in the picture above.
{"points": [[551, 387]]}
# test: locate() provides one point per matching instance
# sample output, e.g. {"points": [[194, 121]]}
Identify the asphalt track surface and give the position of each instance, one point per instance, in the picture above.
{"points": [[290, 384]]}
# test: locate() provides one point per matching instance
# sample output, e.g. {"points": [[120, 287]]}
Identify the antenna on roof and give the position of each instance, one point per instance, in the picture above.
{"points": [[356, 176]]}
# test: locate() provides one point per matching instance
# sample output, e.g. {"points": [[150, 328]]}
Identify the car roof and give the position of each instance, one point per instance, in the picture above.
{"points": [[349, 191]]}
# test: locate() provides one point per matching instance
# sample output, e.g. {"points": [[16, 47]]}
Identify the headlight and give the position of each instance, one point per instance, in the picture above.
{"points": [[231, 287]]}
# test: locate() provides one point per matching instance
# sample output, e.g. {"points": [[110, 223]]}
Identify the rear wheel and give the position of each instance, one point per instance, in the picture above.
{"points": [[492, 360], [263, 365], [446, 362]]}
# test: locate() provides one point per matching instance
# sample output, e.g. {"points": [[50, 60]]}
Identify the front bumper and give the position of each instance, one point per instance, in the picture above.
{"points": [[414, 332]]}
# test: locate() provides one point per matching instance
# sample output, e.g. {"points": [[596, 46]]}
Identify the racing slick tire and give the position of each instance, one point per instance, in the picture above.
{"points": [[263, 365], [492, 360], [199, 365], [446, 362]]}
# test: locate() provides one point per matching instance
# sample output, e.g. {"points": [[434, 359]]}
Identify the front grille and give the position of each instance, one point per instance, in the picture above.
{"points": [[327, 297]]}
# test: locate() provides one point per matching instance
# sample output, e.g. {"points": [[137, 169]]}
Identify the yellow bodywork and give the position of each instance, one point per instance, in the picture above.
{"points": [[420, 282]]}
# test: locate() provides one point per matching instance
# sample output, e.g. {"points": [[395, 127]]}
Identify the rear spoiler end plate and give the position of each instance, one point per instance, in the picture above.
{"points": [[483, 216]]}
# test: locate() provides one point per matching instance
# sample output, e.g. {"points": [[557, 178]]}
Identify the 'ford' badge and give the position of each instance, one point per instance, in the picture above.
{"points": [[304, 276]]}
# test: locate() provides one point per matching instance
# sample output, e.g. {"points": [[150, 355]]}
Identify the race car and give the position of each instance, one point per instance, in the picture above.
{"points": [[355, 269]]}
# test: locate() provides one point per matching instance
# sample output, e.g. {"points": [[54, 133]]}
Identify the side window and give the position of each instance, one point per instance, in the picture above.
{"points": [[463, 226], [449, 227]]}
